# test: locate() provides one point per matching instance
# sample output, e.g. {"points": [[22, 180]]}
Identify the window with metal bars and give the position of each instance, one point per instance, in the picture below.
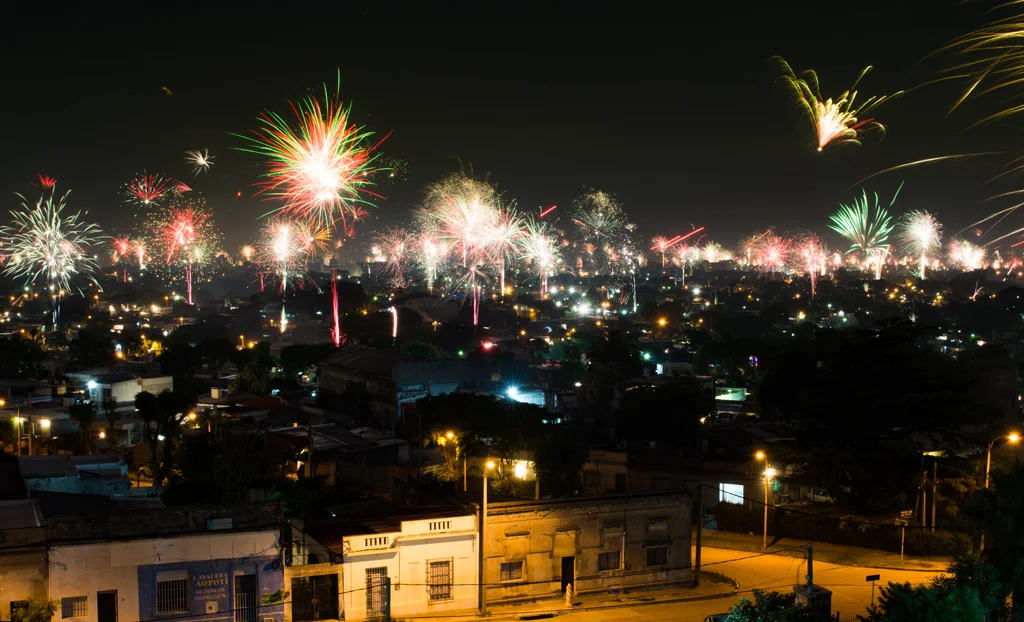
{"points": [[74, 607], [511, 571], [172, 596], [439, 580], [608, 561]]}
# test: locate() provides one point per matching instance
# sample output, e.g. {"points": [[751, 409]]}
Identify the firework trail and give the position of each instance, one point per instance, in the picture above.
{"points": [[965, 255], [44, 243], [686, 255], [505, 236], [540, 247], [398, 247], [919, 234], [185, 236], [139, 248], [200, 159], [835, 121], [660, 244], [773, 253], [122, 248], [867, 226], [46, 182], [320, 164], [812, 255], [431, 252], [599, 219]]}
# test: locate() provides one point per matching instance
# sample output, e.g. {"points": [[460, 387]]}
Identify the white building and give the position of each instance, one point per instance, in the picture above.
{"points": [[122, 387], [169, 563], [431, 560]]}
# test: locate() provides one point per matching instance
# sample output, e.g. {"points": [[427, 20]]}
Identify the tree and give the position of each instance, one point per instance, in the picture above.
{"points": [[770, 607], [670, 410], [559, 462], [296, 359], [252, 379], [218, 471], [84, 414], [37, 610], [110, 411], [163, 415], [19, 358], [970, 591], [91, 349]]}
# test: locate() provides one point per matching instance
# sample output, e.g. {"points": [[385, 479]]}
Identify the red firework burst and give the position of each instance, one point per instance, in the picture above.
{"points": [[147, 189]]}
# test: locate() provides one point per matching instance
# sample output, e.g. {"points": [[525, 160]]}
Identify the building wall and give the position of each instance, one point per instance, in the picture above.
{"points": [[209, 561], [312, 570], [406, 555], [127, 390], [541, 534], [22, 571]]}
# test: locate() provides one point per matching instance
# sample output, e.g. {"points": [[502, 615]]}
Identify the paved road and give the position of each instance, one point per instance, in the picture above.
{"points": [[850, 593]]}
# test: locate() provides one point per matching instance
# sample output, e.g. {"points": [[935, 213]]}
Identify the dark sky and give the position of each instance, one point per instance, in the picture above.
{"points": [[678, 111]]}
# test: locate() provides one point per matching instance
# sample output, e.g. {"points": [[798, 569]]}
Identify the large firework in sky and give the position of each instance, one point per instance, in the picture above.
{"points": [[920, 233], [320, 164], [45, 243], [836, 121], [184, 239], [867, 225]]}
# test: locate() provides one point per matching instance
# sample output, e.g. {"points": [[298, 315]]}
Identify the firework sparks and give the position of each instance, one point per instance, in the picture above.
{"points": [[540, 247], [391, 169], [835, 121], [44, 243], [200, 159], [46, 182], [773, 253], [322, 169], [712, 252], [920, 234], [145, 189], [965, 255], [867, 226], [660, 244], [812, 256], [185, 236], [397, 245]]}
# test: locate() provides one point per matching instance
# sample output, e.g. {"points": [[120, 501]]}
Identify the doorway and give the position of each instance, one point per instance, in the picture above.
{"points": [[245, 598], [106, 606], [568, 572]]}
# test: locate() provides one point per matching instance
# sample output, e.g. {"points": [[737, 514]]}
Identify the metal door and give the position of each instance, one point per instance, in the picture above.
{"points": [[106, 606], [245, 598], [315, 598], [375, 589]]}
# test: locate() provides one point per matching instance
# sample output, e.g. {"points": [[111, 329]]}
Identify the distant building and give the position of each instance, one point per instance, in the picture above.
{"points": [[392, 379], [96, 475], [121, 386]]}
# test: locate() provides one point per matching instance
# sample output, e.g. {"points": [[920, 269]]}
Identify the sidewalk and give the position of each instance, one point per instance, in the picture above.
{"points": [[713, 585], [823, 551]]}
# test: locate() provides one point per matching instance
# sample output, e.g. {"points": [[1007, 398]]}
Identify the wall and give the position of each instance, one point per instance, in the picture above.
{"points": [[22, 569], [127, 390], [312, 570], [406, 555], [540, 534], [209, 561]]}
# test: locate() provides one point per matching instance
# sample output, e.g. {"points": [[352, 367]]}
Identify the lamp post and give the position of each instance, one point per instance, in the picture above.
{"points": [[769, 473], [488, 465], [1012, 437], [759, 456]]}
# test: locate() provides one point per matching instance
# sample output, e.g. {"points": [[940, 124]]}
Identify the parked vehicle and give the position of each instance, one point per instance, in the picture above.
{"points": [[820, 495]]}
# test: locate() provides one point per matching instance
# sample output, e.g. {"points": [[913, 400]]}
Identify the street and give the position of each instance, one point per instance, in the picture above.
{"points": [[850, 593]]}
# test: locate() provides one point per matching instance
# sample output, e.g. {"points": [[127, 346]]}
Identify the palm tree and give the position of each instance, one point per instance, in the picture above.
{"points": [[84, 414]]}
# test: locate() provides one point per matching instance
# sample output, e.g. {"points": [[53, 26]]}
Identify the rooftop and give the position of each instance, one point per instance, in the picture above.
{"points": [[68, 466]]}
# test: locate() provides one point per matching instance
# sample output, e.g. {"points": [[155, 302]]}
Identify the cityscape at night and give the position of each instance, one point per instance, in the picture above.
{"points": [[462, 311]]}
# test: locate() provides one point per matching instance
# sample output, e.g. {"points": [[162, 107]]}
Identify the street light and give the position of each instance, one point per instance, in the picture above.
{"points": [[483, 518], [1012, 437], [769, 474]]}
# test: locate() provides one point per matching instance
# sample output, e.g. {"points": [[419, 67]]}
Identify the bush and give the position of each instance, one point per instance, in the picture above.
{"points": [[847, 531]]}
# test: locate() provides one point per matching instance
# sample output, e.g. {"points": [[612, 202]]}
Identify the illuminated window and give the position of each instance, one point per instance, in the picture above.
{"points": [[730, 493]]}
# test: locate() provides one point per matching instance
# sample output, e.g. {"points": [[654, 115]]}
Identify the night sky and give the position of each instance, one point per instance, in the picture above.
{"points": [[678, 113]]}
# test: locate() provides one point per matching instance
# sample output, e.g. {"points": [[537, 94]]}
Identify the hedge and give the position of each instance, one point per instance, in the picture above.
{"points": [[784, 523]]}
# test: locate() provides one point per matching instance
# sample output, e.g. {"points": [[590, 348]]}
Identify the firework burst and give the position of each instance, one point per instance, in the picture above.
{"points": [[44, 243], [540, 247], [398, 246], [773, 253], [145, 189], [867, 226], [320, 164], [920, 234], [200, 159], [812, 256], [835, 121], [965, 255], [282, 250], [599, 220], [186, 237]]}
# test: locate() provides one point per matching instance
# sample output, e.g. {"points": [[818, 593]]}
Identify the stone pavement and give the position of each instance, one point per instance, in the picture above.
{"points": [[823, 551]]}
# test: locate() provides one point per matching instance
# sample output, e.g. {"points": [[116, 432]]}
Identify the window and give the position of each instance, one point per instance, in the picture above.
{"points": [[512, 571], [74, 607], [608, 561], [439, 580], [730, 493], [172, 595], [657, 556]]}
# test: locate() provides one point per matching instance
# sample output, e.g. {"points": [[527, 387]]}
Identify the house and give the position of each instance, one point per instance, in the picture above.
{"points": [[122, 387], [391, 379], [23, 563], [430, 556], [535, 549], [98, 475], [215, 564]]}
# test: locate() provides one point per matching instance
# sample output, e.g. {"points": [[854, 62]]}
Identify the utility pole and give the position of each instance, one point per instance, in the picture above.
{"points": [[810, 570], [935, 492], [700, 536], [386, 609]]}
